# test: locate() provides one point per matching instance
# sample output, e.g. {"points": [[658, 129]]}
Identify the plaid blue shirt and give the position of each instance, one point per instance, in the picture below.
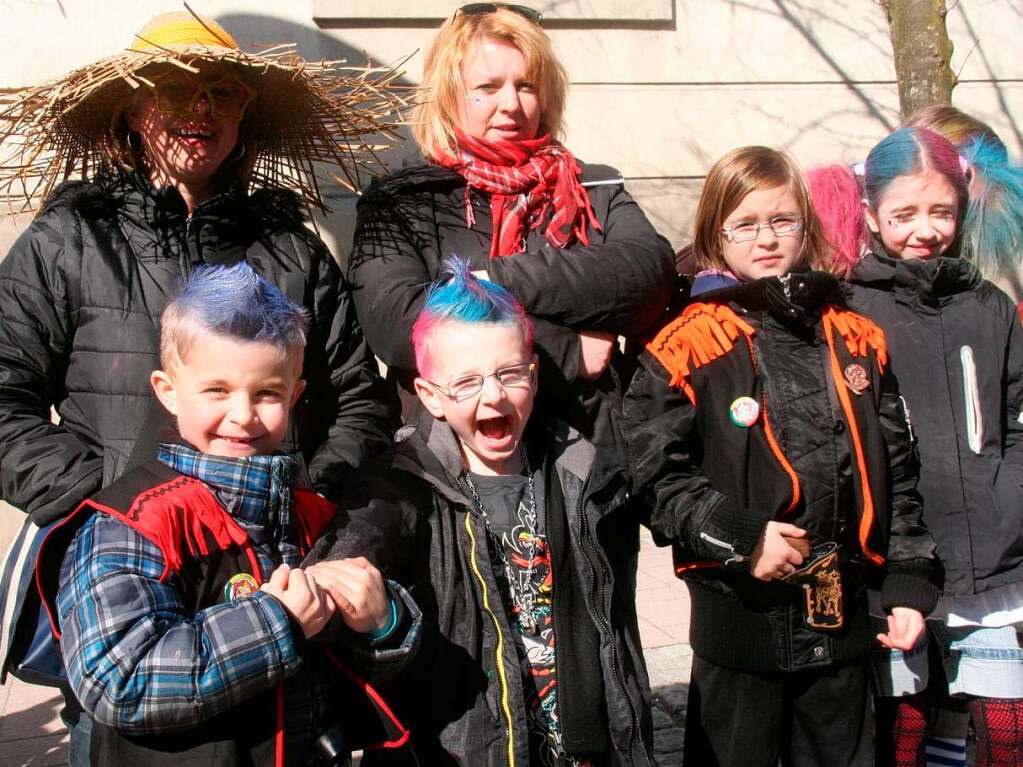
{"points": [[137, 659]]}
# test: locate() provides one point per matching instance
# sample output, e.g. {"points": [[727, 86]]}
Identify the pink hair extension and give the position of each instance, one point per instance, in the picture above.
{"points": [[836, 196]]}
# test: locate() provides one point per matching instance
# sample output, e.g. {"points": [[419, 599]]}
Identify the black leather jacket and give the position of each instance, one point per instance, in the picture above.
{"points": [[81, 293], [713, 485]]}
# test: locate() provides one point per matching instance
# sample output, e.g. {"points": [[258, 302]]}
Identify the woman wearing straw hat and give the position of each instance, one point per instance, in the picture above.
{"points": [[499, 189], [191, 152]]}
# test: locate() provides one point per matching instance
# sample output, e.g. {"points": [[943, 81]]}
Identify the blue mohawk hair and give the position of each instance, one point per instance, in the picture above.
{"points": [[235, 301]]}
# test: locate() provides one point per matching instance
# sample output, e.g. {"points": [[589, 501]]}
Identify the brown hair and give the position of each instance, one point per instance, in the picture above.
{"points": [[442, 89], [955, 125], [734, 176]]}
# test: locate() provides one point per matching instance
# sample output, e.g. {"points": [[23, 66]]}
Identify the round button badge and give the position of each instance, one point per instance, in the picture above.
{"points": [[240, 585], [744, 412]]}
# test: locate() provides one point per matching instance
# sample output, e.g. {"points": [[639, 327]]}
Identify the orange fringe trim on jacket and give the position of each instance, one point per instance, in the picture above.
{"points": [[859, 332], [702, 333]]}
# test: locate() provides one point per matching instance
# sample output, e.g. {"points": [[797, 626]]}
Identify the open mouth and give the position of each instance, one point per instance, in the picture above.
{"points": [[496, 429], [193, 133]]}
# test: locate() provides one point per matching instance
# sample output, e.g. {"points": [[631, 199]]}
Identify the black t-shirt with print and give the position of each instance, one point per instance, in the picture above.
{"points": [[506, 502]]}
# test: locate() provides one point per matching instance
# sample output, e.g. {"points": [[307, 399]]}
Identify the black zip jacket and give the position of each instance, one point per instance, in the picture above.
{"points": [[463, 696], [957, 350], [833, 462], [620, 283], [81, 293]]}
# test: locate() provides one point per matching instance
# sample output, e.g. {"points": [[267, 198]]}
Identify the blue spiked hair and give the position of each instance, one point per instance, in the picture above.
{"points": [[231, 301], [993, 225], [459, 296]]}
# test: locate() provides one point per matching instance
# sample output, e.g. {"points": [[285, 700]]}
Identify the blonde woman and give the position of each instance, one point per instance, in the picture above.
{"points": [[499, 189]]}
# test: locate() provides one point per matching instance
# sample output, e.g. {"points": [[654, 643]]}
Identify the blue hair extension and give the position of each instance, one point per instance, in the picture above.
{"points": [[897, 154], [993, 224], [235, 301], [459, 296]]}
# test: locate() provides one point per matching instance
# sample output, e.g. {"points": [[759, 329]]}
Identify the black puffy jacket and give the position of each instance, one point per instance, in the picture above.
{"points": [[462, 697], [834, 462], [957, 350], [620, 283], [81, 293]]}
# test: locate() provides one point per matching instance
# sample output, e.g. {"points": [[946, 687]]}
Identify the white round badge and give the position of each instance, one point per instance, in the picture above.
{"points": [[744, 412]]}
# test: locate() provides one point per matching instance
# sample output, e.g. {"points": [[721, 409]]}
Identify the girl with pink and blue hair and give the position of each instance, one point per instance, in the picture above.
{"points": [[956, 347]]}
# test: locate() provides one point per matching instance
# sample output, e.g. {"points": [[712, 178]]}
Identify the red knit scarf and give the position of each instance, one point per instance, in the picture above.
{"points": [[526, 180]]}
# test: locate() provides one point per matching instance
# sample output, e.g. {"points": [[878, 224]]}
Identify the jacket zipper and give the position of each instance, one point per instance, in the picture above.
{"points": [[499, 650], [191, 231], [736, 557], [784, 280], [772, 441], [584, 534]]}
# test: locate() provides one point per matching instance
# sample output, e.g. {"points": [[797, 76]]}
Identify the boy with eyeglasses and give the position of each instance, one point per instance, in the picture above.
{"points": [[509, 531]]}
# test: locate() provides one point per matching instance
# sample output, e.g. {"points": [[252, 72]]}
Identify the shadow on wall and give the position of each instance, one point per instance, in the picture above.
{"points": [[1003, 106], [257, 31]]}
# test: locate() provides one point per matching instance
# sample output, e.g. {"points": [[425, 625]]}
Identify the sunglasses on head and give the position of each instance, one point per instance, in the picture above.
{"points": [[479, 9], [177, 93]]}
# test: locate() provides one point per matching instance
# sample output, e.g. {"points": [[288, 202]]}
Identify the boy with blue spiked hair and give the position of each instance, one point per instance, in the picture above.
{"points": [[181, 612], [513, 532]]}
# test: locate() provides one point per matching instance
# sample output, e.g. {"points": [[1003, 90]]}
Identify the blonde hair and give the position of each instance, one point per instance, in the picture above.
{"points": [[741, 171], [442, 90]]}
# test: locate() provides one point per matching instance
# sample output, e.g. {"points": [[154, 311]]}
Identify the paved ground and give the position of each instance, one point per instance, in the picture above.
{"points": [[31, 734], [663, 606]]}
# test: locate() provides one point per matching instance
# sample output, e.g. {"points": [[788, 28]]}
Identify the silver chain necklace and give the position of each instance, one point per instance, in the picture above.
{"points": [[522, 593]]}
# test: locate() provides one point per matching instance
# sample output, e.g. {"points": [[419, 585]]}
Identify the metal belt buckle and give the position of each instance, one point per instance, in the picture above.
{"points": [[820, 577]]}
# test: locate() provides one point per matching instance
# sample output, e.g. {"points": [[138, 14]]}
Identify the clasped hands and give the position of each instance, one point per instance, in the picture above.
{"points": [[313, 595]]}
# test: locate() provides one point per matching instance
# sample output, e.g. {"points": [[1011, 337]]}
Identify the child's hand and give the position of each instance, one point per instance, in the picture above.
{"points": [[773, 557], [905, 627], [594, 353], [309, 605], [357, 589]]}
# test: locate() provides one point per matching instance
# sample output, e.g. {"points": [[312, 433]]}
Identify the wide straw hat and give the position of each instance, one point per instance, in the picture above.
{"points": [[303, 113]]}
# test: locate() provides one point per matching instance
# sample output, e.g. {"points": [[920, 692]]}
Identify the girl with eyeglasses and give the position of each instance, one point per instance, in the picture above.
{"points": [[957, 351], [767, 436], [498, 187]]}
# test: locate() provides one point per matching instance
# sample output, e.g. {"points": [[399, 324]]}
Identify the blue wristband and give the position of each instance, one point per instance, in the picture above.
{"points": [[386, 631]]}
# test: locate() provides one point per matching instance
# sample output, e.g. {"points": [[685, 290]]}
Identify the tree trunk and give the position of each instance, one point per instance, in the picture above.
{"points": [[923, 52]]}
